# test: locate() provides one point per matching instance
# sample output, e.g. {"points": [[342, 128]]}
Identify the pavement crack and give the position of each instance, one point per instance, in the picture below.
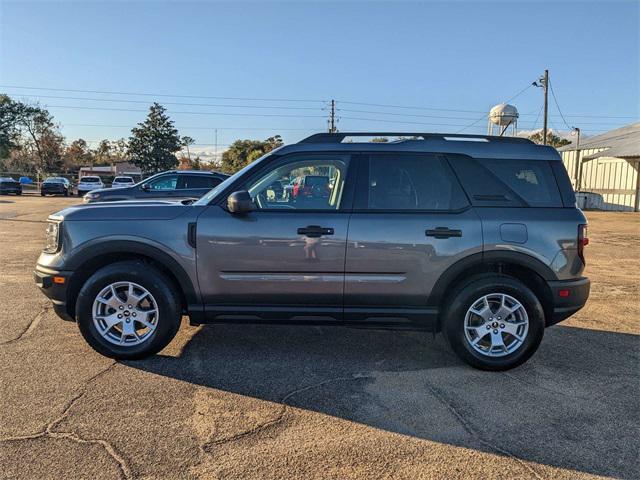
{"points": [[33, 324], [50, 429], [472, 431], [278, 419]]}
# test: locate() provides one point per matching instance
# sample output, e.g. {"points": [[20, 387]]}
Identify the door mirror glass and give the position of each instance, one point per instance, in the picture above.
{"points": [[240, 202]]}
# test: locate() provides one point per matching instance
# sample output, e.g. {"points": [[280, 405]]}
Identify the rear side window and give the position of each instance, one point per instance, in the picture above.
{"points": [[412, 182], [200, 181], [507, 183], [532, 180]]}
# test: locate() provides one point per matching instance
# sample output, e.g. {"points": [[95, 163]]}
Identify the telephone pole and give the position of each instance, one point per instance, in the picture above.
{"points": [[545, 85], [332, 118]]}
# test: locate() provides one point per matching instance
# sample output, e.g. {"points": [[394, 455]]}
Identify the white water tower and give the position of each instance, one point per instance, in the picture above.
{"points": [[503, 116]]}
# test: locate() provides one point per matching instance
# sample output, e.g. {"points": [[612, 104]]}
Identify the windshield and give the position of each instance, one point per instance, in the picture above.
{"points": [[123, 180], [221, 187], [90, 180], [54, 180]]}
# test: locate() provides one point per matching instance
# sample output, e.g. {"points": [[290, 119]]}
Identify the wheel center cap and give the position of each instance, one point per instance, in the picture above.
{"points": [[126, 313], [494, 324]]}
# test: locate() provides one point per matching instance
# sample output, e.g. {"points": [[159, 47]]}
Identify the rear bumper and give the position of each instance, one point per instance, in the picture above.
{"points": [[56, 292], [569, 296]]}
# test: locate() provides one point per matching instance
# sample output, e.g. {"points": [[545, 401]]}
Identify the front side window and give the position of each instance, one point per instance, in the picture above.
{"points": [[167, 182], [412, 182], [305, 184]]}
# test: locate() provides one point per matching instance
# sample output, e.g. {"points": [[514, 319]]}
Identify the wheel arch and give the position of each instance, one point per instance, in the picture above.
{"points": [[90, 258], [529, 270]]}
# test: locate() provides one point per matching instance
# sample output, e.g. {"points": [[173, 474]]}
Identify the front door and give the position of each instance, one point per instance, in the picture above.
{"points": [[410, 222], [285, 260]]}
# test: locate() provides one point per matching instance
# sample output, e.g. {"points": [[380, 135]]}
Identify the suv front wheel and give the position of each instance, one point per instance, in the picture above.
{"points": [[128, 310], [494, 323]]}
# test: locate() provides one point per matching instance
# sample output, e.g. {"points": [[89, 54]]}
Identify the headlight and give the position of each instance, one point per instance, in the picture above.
{"points": [[52, 237]]}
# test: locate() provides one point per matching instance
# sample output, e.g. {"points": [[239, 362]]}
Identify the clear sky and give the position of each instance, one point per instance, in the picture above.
{"points": [[458, 56]]}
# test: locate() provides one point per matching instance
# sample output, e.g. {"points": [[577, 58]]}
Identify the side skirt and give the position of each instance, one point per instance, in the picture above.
{"points": [[423, 319]]}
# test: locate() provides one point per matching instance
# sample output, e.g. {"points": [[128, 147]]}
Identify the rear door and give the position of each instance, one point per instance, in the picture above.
{"points": [[411, 221]]}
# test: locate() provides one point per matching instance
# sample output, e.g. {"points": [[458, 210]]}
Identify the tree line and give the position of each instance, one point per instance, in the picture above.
{"points": [[31, 143]]}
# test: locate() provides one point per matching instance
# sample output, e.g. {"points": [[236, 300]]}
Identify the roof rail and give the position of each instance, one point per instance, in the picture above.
{"points": [[340, 136]]}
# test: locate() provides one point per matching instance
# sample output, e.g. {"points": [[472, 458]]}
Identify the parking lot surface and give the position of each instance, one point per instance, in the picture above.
{"points": [[309, 402]]}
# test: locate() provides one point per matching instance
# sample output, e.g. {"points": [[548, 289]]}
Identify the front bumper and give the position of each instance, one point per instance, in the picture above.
{"points": [[49, 282], [569, 296]]}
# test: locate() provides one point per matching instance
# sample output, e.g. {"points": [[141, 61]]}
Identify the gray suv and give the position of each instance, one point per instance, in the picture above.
{"points": [[478, 237], [169, 185]]}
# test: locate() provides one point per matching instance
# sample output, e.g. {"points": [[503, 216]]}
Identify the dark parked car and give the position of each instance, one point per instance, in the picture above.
{"points": [[173, 185], [56, 186], [477, 237], [9, 185]]}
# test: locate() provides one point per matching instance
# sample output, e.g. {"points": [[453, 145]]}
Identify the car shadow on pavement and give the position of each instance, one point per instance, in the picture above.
{"points": [[574, 405]]}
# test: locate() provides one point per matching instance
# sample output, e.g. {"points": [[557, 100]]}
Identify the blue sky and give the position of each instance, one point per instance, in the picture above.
{"points": [[459, 56]]}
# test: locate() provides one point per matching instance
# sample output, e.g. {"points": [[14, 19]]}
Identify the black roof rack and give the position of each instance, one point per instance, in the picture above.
{"points": [[340, 136]]}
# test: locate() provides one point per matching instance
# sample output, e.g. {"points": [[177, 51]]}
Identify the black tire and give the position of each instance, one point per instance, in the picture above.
{"points": [[470, 292], [18, 193], [66, 193], [147, 276], [42, 194]]}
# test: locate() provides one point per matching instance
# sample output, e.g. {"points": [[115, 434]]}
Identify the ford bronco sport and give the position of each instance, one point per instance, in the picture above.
{"points": [[478, 237]]}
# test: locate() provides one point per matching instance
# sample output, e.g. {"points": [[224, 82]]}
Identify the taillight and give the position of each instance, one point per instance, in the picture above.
{"points": [[583, 241]]}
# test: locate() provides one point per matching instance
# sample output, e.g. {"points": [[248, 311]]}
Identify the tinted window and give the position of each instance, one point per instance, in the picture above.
{"points": [[166, 182], [90, 180], [532, 180], [412, 182], [200, 181]]}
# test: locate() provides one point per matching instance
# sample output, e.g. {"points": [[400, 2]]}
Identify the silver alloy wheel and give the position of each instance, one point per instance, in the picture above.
{"points": [[496, 325], [125, 313]]}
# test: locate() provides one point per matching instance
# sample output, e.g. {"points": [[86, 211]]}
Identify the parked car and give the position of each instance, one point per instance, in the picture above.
{"points": [[89, 183], [56, 186], [25, 180], [119, 182], [173, 184], [474, 236], [9, 185]]}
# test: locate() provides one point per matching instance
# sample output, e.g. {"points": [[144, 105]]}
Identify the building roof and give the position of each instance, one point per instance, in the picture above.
{"points": [[622, 142]]}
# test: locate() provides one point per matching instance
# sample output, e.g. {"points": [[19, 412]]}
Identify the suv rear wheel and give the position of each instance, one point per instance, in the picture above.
{"points": [[494, 323], [128, 310]]}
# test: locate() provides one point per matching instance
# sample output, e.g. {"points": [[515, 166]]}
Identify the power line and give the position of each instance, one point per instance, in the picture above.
{"points": [[555, 100], [195, 128], [165, 103], [190, 113], [164, 94]]}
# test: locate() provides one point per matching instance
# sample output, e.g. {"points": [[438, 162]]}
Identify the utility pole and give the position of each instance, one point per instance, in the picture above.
{"points": [[578, 171], [332, 118], [215, 148], [545, 85]]}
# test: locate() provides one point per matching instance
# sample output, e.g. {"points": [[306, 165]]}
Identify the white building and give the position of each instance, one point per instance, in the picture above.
{"points": [[607, 166]]}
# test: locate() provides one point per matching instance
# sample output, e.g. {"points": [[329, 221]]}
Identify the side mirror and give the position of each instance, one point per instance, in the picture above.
{"points": [[240, 202], [145, 187]]}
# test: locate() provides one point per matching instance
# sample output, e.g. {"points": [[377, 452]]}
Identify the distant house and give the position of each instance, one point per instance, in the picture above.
{"points": [[607, 166]]}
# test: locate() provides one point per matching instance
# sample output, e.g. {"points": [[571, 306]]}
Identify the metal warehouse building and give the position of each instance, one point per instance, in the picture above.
{"points": [[606, 166]]}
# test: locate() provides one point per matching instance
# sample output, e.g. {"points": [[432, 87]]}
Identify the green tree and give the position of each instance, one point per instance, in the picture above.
{"points": [[552, 139], [243, 152], [154, 142], [77, 155]]}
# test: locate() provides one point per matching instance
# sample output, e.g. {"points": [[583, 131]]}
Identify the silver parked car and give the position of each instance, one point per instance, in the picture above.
{"points": [[122, 181], [477, 237]]}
